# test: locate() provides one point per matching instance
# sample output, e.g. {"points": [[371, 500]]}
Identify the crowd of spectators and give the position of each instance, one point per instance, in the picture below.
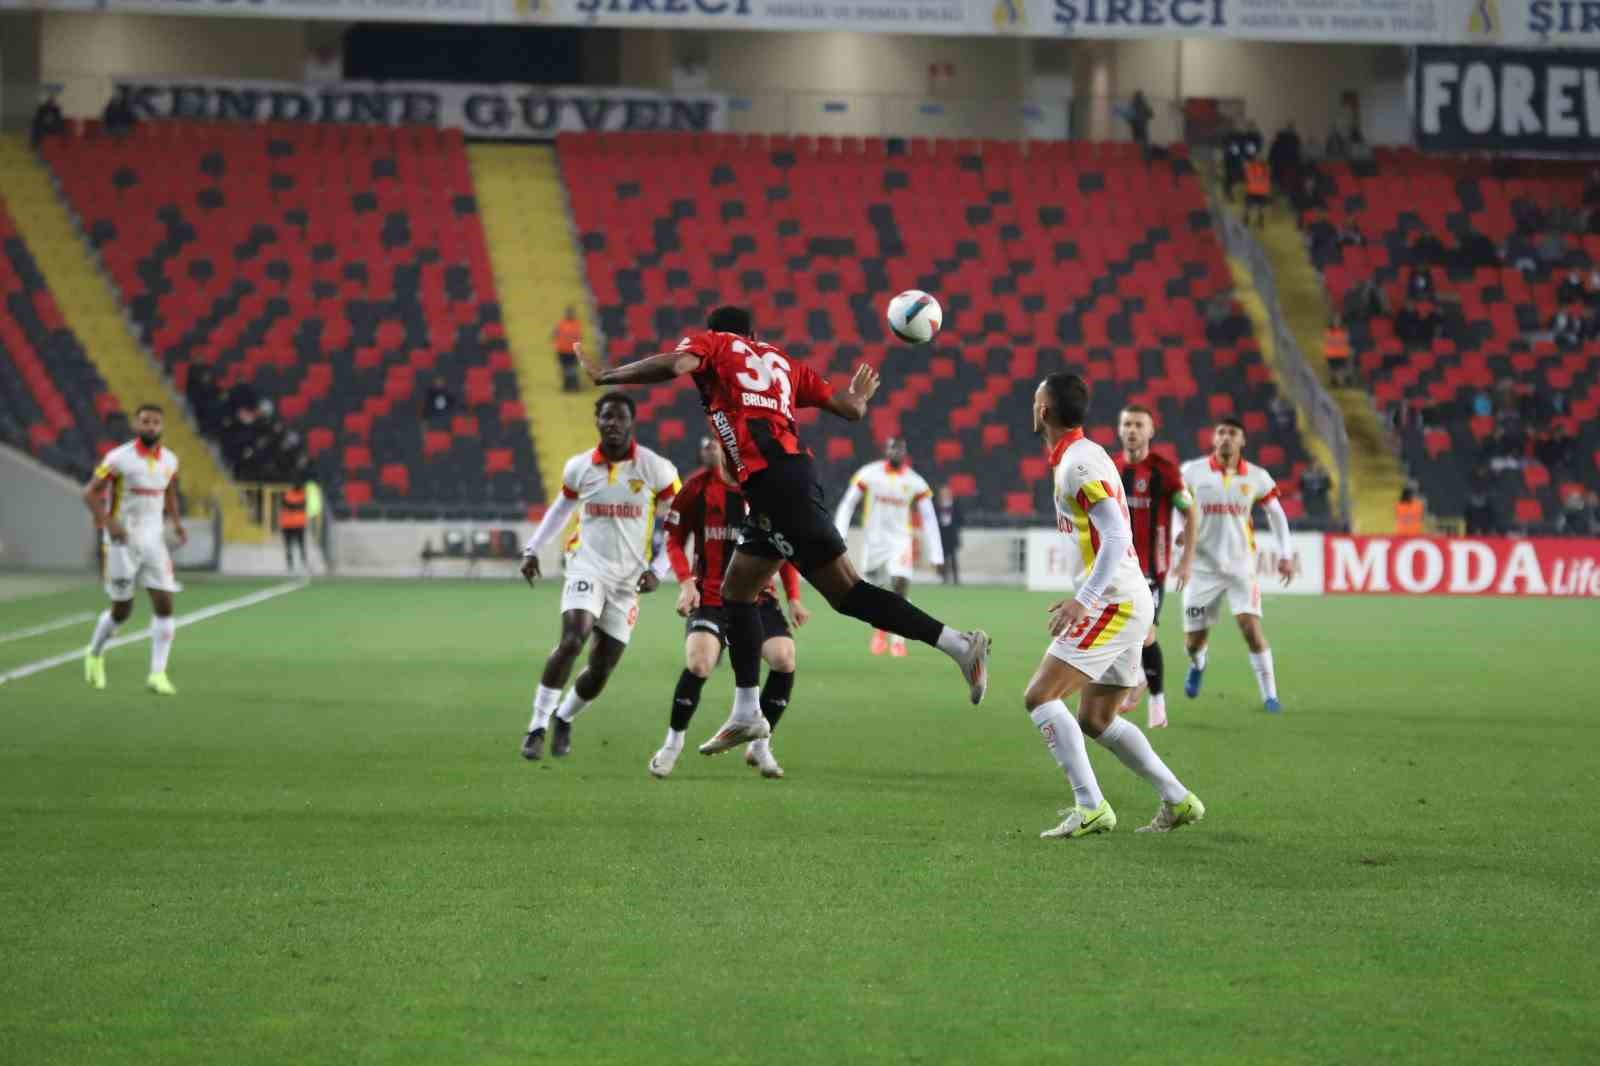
{"points": [[256, 444]]}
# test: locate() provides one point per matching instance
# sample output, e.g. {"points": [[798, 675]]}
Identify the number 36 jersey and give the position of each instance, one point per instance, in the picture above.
{"points": [[751, 390]]}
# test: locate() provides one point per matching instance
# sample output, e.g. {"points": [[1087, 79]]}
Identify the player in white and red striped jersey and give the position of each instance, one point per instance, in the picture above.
{"points": [[1225, 490], [1099, 633]]}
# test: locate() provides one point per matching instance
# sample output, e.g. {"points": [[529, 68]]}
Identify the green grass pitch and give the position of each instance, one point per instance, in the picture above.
{"points": [[327, 850]]}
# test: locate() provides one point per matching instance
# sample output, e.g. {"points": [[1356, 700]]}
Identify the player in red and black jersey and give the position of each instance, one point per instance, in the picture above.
{"points": [[711, 509], [1153, 488], [750, 391]]}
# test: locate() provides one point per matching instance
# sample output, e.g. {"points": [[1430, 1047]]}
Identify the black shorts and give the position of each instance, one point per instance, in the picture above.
{"points": [[1157, 592], [709, 620], [787, 518]]}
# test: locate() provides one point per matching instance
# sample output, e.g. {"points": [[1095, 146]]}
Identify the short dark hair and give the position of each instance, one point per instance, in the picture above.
{"points": [[142, 408], [1229, 420], [617, 396], [730, 319], [1069, 398], [1139, 409]]}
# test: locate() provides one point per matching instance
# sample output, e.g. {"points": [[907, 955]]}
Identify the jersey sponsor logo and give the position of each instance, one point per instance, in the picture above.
{"points": [[613, 510], [724, 430], [148, 492], [721, 533], [1235, 509], [580, 585], [1139, 503]]}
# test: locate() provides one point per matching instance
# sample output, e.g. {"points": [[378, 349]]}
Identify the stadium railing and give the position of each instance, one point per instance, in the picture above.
{"points": [[1318, 408]]}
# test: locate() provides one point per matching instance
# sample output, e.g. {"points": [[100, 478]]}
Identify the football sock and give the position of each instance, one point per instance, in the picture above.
{"points": [[1155, 670], [897, 641], [674, 740], [1266, 681], [104, 630], [571, 705], [685, 699], [882, 609], [1158, 705], [162, 632], [761, 747], [775, 695], [1198, 658], [746, 704], [545, 702], [953, 643], [744, 632], [1124, 740], [1065, 741]]}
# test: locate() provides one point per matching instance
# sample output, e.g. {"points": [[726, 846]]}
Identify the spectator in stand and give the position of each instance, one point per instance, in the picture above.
{"points": [[1138, 115], [1417, 325], [1567, 328], [48, 121], [1408, 512], [1314, 487], [1257, 191], [1482, 520], [1504, 449], [1426, 250], [1594, 287], [1557, 449], [1579, 515], [1364, 301], [205, 399], [1571, 290], [1419, 283], [1482, 404], [1336, 352], [1240, 147], [567, 336], [1282, 412], [948, 508], [438, 401], [1352, 236], [118, 117], [1306, 194], [1284, 158], [1474, 251]]}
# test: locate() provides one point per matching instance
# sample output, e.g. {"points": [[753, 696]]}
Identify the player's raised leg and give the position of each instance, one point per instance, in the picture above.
{"points": [[576, 626], [1260, 661], [701, 650]]}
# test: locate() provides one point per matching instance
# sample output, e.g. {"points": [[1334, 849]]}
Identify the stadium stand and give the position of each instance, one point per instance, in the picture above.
{"points": [[1035, 252], [1494, 401], [338, 271], [53, 402]]}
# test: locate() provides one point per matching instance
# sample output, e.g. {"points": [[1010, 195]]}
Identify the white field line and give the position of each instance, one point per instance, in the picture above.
{"points": [[133, 638], [48, 627]]}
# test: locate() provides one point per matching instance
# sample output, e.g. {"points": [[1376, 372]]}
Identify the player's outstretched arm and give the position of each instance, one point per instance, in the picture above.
{"points": [[851, 404], [651, 370]]}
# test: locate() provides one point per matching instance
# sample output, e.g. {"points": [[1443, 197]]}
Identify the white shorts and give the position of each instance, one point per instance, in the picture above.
{"points": [[1108, 645], [615, 606], [142, 561], [889, 561], [1202, 598]]}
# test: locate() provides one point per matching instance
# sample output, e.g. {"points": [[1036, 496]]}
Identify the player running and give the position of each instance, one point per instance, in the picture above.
{"points": [[893, 491], [1153, 488], [141, 480], [711, 510], [750, 390], [1099, 633], [1225, 490], [614, 490]]}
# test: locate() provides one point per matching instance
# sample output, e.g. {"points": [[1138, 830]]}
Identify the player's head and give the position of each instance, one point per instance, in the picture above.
{"points": [[1227, 439], [710, 452], [613, 417], [1136, 426], [730, 319], [148, 421], [894, 450], [1061, 401]]}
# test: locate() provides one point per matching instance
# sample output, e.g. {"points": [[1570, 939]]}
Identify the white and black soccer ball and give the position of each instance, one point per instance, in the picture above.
{"points": [[915, 317]]}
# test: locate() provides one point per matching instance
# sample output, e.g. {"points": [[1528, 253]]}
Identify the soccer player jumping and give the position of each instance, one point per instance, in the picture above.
{"points": [[1099, 633], [1225, 490], [750, 390], [1153, 487]]}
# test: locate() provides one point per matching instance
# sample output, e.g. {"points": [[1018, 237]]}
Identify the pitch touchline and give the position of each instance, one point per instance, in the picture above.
{"points": [[48, 627], [132, 638]]}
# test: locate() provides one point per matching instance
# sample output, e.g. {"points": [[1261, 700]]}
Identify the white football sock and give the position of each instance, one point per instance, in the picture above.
{"points": [[1124, 740], [761, 747], [1266, 681], [162, 633], [1198, 658], [1065, 741], [896, 641], [674, 739], [104, 630], [571, 704], [545, 701], [954, 643], [1157, 704], [746, 704]]}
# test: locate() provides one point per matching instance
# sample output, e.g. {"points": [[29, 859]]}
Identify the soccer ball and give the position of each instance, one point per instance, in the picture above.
{"points": [[915, 317]]}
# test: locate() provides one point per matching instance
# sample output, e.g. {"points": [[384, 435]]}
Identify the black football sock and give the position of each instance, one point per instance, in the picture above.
{"points": [[685, 699], [775, 695], [882, 609], [1155, 671], [744, 632]]}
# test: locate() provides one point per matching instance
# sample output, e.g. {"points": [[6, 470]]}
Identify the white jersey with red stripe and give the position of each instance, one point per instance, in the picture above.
{"points": [[616, 511], [1223, 500], [1085, 475], [139, 477], [891, 497]]}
